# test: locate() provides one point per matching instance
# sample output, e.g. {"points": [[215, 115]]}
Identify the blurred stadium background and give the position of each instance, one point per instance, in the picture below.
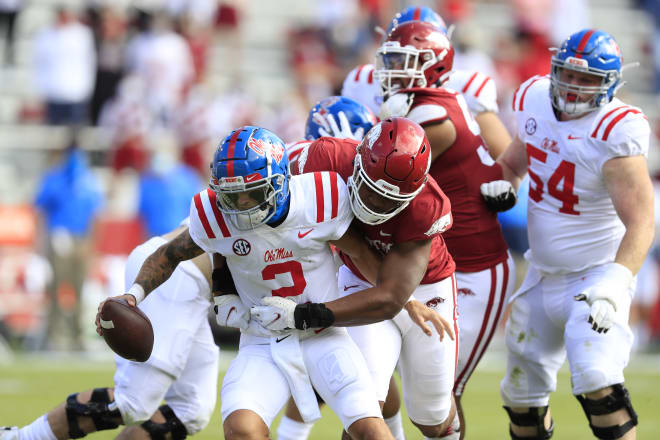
{"points": [[116, 106]]}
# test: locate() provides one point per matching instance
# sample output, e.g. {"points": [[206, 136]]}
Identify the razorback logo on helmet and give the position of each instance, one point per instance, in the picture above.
{"points": [[372, 135], [440, 225], [260, 146]]}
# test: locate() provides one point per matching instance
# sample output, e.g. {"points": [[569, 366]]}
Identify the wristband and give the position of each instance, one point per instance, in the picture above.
{"points": [[312, 315], [222, 282], [138, 293]]}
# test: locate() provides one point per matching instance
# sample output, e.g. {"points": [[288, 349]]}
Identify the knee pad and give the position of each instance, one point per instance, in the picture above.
{"points": [[100, 408], [533, 417], [616, 400], [172, 425]]}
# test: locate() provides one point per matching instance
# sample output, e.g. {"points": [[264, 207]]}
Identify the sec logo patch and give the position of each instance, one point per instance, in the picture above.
{"points": [[241, 247], [530, 126]]}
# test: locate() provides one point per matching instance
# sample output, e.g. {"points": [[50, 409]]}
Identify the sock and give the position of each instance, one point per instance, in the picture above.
{"points": [[37, 430], [290, 429], [396, 426]]}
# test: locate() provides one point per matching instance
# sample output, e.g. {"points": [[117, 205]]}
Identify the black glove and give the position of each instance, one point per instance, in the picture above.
{"points": [[499, 195]]}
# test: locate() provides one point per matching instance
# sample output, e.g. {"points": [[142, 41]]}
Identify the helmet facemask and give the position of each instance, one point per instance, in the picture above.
{"points": [[394, 62], [263, 193], [386, 190]]}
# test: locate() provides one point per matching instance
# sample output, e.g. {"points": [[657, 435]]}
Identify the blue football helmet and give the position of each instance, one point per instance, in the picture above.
{"points": [[418, 13], [588, 51], [250, 177], [357, 115]]}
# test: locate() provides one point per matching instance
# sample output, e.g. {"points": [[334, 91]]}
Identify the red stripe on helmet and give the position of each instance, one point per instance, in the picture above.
{"points": [[583, 43], [417, 14], [218, 215], [230, 153], [318, 182], [202, 216]]}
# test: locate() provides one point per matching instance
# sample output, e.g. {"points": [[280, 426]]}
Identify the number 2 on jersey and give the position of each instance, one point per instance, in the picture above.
{"points": [[565, 173], [297, 275]]}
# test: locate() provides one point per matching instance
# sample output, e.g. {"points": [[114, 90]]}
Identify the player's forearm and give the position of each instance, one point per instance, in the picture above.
{"points": [[366, 307], [155, 270], [635, 245]]}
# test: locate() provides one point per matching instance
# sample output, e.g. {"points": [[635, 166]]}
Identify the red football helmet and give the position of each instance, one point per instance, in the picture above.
{"points": [[415, 51], [390, 169]]}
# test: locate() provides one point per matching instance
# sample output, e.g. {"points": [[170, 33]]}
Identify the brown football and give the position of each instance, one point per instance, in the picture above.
{"points": [[127, 330]]}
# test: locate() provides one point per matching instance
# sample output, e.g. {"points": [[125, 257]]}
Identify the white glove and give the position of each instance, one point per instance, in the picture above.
{"points": [[343, 131], [396, 106], [231, 312], [603, 296], [256, 329], [276, 314], [499, 195]]}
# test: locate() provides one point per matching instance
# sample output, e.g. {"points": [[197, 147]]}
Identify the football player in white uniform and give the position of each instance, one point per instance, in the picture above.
{"points": [[590, 225], [182, 369], [273, 234]]}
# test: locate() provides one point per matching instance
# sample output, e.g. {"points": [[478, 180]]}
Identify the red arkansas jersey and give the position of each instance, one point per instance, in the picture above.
{"points": [[475, 241], [427, 216]]}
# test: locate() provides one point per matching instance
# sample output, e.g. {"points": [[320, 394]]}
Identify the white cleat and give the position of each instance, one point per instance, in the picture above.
{"points": [[8, 432]]}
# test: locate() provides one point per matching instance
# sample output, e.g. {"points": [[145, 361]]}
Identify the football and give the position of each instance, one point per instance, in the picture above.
{"points": [[127, 330]]}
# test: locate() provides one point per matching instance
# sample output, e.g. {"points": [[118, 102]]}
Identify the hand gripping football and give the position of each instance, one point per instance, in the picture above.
{"points": [[127, 330]]}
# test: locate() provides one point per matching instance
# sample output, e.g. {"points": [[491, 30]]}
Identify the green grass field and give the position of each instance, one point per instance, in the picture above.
{"points": [[29, 387]]}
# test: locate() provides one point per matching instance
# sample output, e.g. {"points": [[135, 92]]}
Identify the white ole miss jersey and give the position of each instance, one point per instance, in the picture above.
{"points": [[572, 224], [477, 88], [291, 260], [361, 86]]}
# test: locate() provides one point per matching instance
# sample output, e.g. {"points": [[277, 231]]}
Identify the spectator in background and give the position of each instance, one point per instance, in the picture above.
{"points": [[163, 59], [8, 11], [65, 66], [109, 26], [69, 199], [166, 189]]}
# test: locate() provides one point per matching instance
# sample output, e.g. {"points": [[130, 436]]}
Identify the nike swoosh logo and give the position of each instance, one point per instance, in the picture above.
{"points": [[278, 340], [302, 234], [350, 287], [572, 138], [384, 234], [276, 318]]}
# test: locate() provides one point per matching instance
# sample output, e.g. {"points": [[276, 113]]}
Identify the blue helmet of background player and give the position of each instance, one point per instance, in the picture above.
{"points": [[589, 51], [251, 160], [357, 115], [417, 13]]}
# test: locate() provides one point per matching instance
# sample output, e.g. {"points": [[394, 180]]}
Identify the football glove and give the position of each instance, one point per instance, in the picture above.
{"points": [[343, 130], [603, 296], [231, 312], [499, 195], [396, 106], [276, 313]]}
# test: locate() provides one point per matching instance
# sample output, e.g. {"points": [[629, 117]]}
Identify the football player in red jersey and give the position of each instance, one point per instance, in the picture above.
{"points": [[410, 64], [404, 221]]}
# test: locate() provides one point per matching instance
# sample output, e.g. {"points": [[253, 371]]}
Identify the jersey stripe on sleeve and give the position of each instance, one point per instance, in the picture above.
{"points": [[218, 215], [357, 74], [616, 120], [522, 97], [327, 202], [483, 84], [593, 135], [202, 216], [318, 183], [467, 84]]}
